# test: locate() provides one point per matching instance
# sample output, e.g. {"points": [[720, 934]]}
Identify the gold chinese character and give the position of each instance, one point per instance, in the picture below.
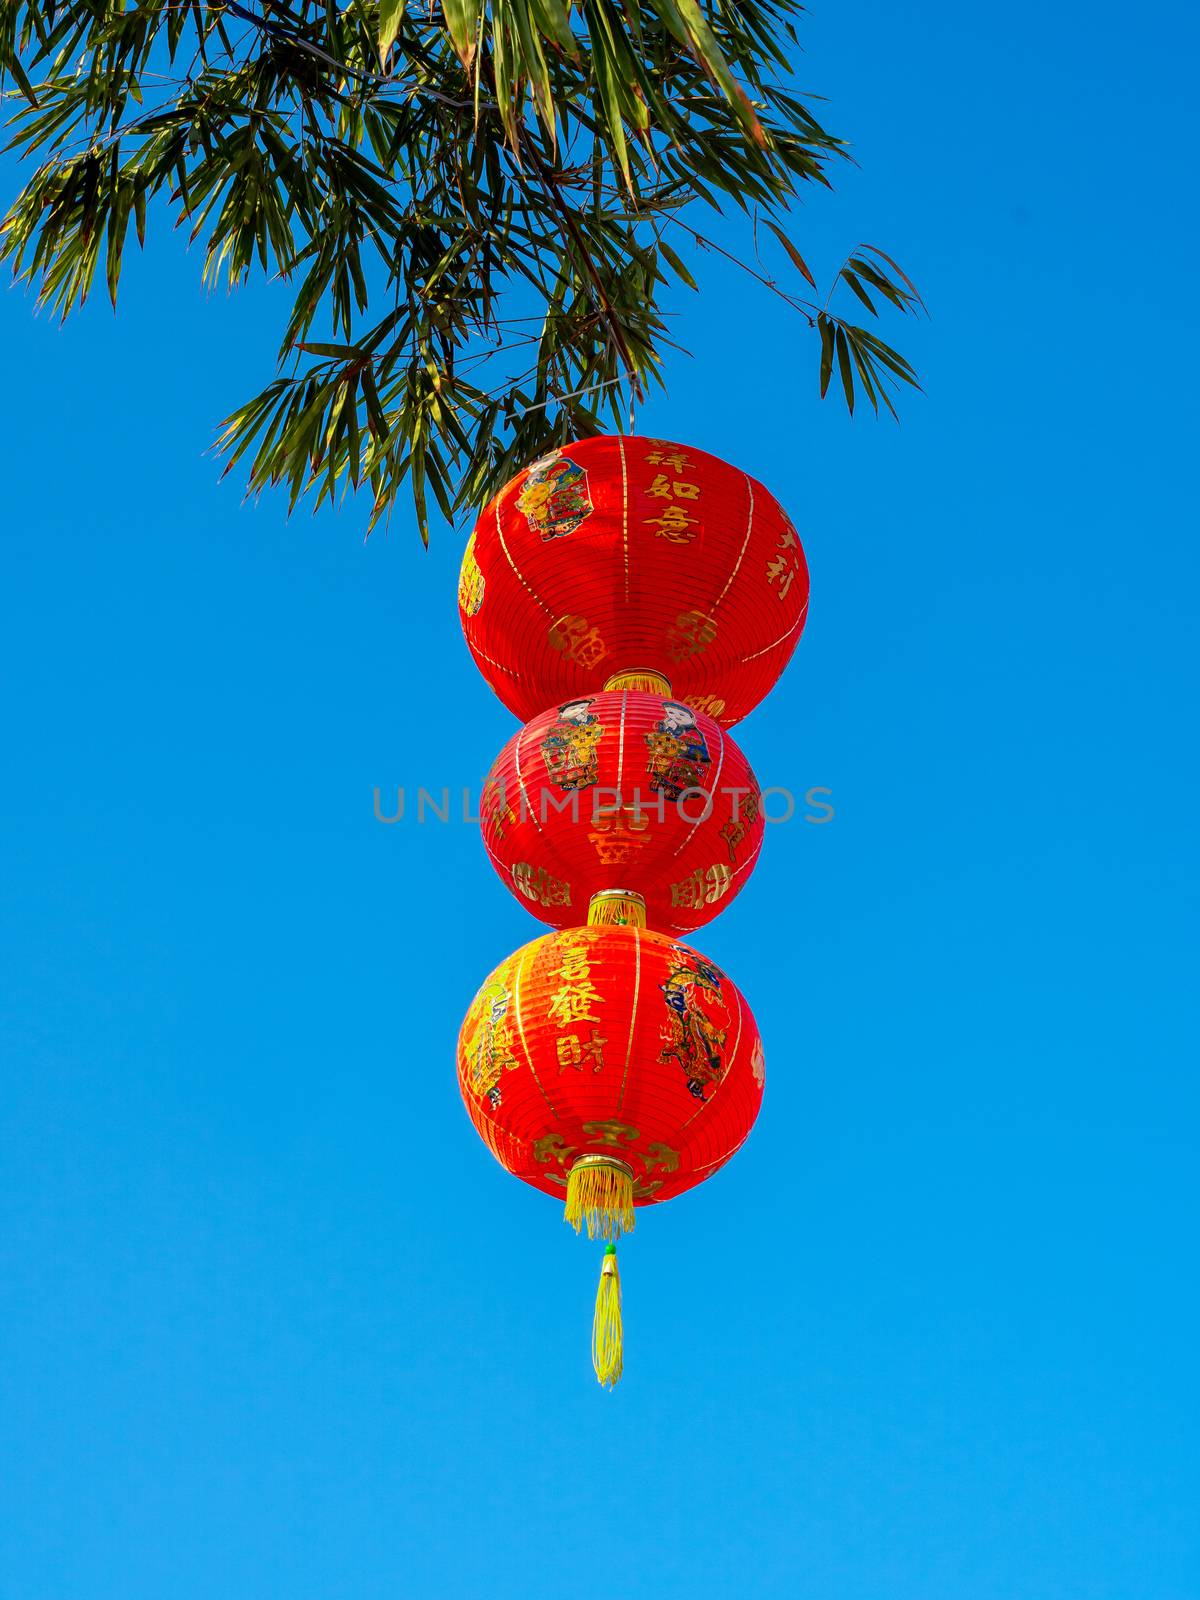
{"points": [[690, 635], [664, 488], [779, 568], [705, 886], [717, 880], [577, 641], [572, 1003], [689, 891], [673, 523], [667, 456], [614, 1133], [573, 1053], [535, 883], [711, 704], [493, 794], [620, 831]]}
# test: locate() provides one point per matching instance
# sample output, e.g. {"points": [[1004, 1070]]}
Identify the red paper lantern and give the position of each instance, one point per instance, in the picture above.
{"points": [[630, 555], [624, 790], [611, 1066]]}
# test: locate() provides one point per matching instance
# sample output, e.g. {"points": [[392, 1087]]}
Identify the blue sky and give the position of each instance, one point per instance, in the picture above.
{"points": [[275, 1323]]}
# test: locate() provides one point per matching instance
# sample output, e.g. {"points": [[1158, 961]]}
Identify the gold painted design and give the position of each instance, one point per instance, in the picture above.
{"points": [[540, 886], [618, 833], [575, 638], [576, 1053], [470, 581], [617, 1134], [783, 566], [734, 831], [737, 565], [703, 887], [576, 995], [493, 795], [487, 1044], [661, 1155], [690, 635], [711, 705], [668, 455], [553, 1147]]}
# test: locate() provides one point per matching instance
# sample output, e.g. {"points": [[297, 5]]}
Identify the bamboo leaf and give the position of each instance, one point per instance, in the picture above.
{"points": [[895, 266], [852, 282], [677, 265], [391, 15], [847, 372], [462, 23], [827, 340], [794, 255]]}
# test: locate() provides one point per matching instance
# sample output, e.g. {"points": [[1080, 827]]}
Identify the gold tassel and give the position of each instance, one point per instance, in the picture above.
{"points": [[639, 678], [600, 1195], [621, 908], [607, 1333]]}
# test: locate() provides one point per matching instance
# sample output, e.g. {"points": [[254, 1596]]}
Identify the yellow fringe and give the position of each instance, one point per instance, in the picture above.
{"points": [[643, 678], [607, 1333], [600, 1195], [622, 908]]}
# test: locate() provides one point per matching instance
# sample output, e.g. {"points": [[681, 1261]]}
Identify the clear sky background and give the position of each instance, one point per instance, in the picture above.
{"points": [[274, 1323]]}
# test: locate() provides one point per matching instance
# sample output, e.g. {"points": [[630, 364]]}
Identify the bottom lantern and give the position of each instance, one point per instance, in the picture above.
{"points": [[614, 1067]]}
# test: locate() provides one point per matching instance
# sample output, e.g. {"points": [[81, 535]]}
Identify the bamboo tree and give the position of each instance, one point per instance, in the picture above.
{"points": [[480, 207]]}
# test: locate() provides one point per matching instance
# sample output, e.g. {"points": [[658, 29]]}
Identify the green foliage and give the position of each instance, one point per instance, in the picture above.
{"points": [[480, 207]]}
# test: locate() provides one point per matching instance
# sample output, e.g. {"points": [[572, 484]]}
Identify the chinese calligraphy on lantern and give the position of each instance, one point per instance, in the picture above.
{"points": [[783, 566], [744, 817], [703, 887], [690, 635], [576, 1053], [535, 883], [677, 493], [576, 994], [578, 641]]}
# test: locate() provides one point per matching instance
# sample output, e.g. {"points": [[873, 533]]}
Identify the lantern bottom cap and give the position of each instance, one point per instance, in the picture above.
{"points": [[600, 1197], [645, 679], [620, 908]]}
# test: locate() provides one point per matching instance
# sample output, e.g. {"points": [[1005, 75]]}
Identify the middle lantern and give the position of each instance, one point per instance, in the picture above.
{"points": [[625, 794]]}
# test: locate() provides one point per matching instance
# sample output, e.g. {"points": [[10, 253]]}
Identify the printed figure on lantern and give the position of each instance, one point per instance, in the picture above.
{"points": [[678, 752], [569, 748], [470, 581], [486, 1048], [692, 1037], [554, 498]]}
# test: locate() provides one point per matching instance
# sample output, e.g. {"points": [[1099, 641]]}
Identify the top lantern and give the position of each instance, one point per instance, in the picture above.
{"points": [[629, 557]]}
